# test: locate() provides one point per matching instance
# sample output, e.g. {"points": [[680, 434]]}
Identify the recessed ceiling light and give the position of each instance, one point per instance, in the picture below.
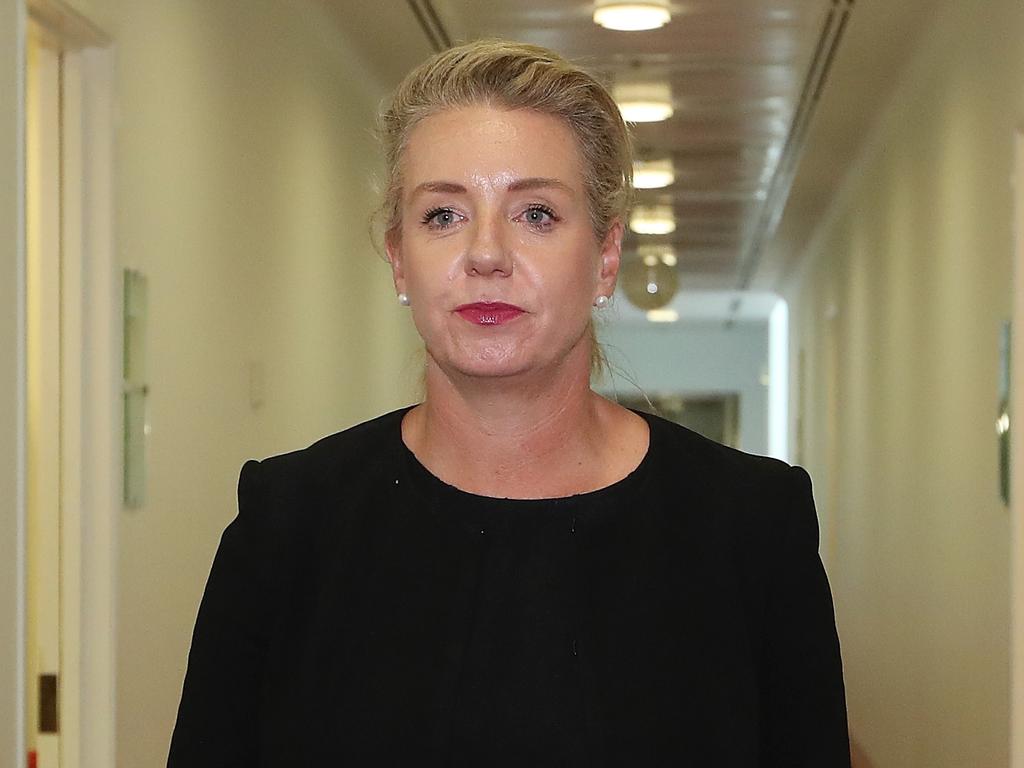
{"points": [[653, 174], [652, 220], [653, 254], [644, 102], [662, 315], [631, 17]]}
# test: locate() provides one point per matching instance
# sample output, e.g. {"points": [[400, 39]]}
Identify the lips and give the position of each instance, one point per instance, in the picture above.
{"points": [[489, 313]]}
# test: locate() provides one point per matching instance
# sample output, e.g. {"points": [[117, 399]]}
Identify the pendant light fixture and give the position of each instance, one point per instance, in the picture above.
{"points": [[649, 286], [654, 254]]}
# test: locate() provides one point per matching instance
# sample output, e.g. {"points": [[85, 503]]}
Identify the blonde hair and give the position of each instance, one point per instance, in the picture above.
{"points": [[511, 76]]}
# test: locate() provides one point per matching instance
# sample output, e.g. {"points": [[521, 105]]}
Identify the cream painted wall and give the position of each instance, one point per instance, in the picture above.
{"points": [[898, 309], [12, 412], [244, 153]]}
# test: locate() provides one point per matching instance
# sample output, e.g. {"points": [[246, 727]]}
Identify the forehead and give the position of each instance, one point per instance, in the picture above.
{"points": [[488, 143]]}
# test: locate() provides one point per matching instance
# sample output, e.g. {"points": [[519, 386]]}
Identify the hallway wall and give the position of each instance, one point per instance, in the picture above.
{"points": [[243, 164], [12, 396], [898, 309]]}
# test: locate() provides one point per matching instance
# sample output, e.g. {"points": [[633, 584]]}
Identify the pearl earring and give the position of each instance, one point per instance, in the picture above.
{"points": [[403, 299], [601, 302]]}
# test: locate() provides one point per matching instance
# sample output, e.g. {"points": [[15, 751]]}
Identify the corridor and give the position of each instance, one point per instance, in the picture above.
{"points": [[823, 264]]}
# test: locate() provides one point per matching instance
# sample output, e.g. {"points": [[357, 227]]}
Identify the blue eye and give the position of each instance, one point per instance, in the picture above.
{"points": [[440, 218], [539, 216]]}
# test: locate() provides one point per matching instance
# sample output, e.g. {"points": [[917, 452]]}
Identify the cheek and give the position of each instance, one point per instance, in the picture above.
{"points": [[576, 277], [427, 271]]}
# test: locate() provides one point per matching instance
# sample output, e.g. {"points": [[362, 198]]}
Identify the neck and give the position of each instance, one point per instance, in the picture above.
{"points": [[509, 435]]}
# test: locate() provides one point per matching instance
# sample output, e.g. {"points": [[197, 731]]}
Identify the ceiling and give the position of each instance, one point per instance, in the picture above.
{"points": [[772, 99]]}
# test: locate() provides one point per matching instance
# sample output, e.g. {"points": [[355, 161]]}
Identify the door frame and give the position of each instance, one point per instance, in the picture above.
{"points": [[91, 388], [91, 402]]}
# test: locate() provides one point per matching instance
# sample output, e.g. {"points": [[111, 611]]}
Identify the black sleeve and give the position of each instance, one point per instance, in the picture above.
{"points": [[803, 696], [217, 723]]}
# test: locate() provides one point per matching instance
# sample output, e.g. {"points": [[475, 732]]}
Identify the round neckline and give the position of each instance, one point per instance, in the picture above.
{"points": [[427, 480]]}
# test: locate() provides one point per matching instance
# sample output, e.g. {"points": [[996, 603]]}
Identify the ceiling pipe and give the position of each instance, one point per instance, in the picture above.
{"points": [[431, 24], [785, 172]]}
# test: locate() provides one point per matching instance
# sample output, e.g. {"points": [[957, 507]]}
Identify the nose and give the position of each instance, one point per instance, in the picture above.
{"points": [[488, 250]]}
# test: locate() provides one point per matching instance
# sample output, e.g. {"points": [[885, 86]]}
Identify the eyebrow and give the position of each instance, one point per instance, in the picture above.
{"points": [[538, 183], [519, 185]]}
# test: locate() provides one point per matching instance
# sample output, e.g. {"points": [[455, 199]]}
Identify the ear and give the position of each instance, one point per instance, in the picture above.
{"points": [[611, 256], [393, 248]]}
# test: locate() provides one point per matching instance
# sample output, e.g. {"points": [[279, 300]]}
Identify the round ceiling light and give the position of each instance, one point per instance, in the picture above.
{"points": [[649, 286], [653, 174], [643, 102], [631, 17], [652, 220]]}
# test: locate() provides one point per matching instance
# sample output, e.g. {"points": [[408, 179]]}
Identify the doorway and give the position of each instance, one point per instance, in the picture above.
{"points": [[72, 452]]}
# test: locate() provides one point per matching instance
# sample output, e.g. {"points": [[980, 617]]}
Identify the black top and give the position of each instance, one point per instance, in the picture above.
{"points": [[520, 694], [362, 612]]}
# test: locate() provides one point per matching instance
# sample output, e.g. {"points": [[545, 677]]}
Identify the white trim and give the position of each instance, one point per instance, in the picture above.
{"points": [[73, 336], [44, 317], [100, 430]]}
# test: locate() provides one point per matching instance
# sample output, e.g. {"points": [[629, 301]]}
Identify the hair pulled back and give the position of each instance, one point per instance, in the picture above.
{"points": [[511, 75]]}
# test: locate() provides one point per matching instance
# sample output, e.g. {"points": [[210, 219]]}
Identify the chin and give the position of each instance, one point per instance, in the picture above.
{"points": [[489, 362], [500, 358], [485, 368]]}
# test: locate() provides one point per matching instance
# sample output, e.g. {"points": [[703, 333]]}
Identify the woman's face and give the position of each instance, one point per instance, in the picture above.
{"points": [[494, 210]]}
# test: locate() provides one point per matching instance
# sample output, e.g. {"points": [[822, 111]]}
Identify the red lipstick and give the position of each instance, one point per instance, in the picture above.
{"points": [[489, 313]]}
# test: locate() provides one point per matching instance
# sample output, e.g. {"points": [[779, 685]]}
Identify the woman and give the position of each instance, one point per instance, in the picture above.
{"points": [[515, 571]]}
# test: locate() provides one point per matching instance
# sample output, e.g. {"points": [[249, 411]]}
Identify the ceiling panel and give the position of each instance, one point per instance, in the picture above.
{"points": [[736, 69]]}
